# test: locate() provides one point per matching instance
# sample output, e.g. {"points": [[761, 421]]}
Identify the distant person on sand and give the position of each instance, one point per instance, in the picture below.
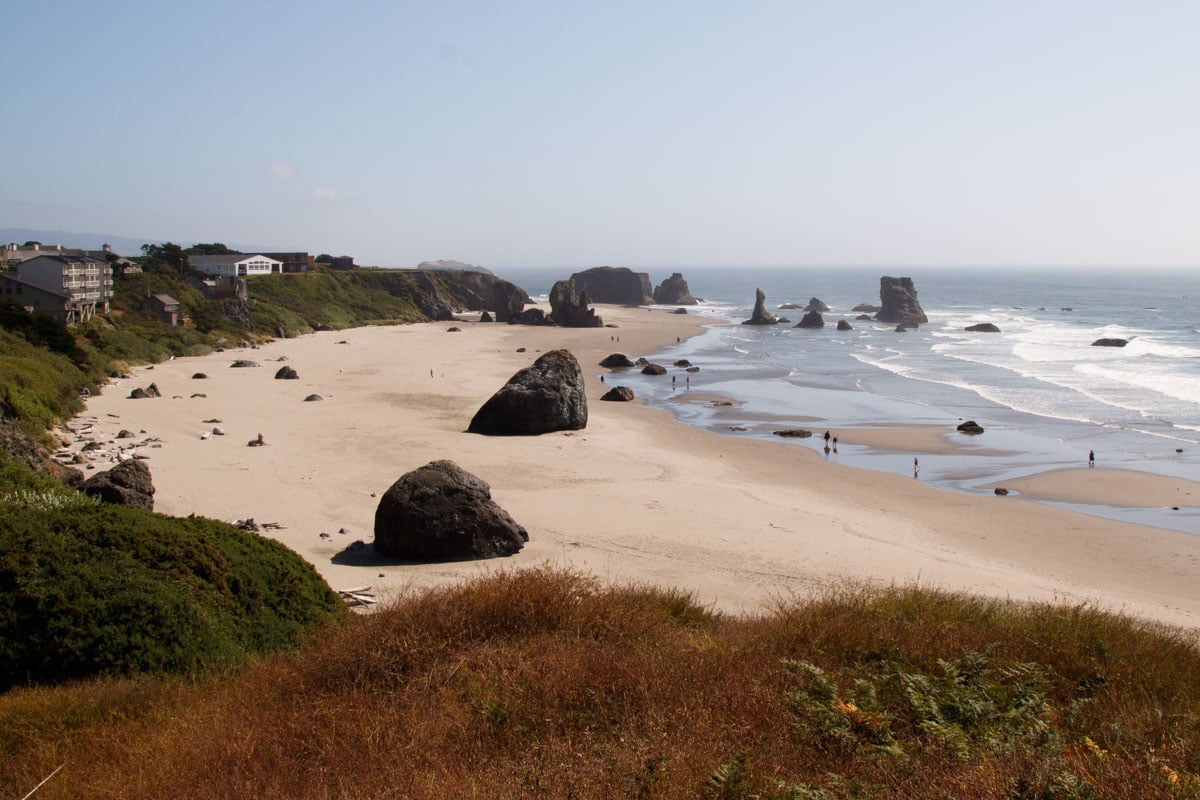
{"points": [[1091, 458], [826, 437], [916, 467]]}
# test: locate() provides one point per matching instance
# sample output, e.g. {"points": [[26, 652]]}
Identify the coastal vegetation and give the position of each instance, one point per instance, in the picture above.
{"points": [[90, 589], [542, 683]]}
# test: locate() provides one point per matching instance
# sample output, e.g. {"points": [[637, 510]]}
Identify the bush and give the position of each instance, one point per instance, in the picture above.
{"points": [[88, 589]]}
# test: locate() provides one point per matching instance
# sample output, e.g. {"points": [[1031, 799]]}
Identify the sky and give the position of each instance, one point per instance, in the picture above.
{"points": [[576, 133]]}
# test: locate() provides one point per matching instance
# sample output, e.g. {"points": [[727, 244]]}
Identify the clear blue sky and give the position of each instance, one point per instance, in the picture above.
{"points": [[574, 133]]}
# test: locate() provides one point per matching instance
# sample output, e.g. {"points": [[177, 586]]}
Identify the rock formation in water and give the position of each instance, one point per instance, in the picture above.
{"points": [[812, 319], [816, 304], [1110, 343], [616, 285], [844, 326], [547, 396], [569, 307], [760, 316], [674, 292], [441, 512], [898, 300], [982, 327]]}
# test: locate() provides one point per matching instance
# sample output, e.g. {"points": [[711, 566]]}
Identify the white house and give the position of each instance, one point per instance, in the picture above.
{"points": [[240, 265]]}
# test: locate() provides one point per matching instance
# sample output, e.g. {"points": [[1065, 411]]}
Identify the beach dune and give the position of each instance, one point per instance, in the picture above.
{"points": [[634, 497]]}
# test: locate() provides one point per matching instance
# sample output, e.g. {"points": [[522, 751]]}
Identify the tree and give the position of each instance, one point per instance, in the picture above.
{"points": [[211, 249], [167, 253]]}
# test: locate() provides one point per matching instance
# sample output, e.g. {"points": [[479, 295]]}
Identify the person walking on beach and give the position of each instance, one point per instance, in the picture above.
{"points": [[1091, 458], [916, 467]]}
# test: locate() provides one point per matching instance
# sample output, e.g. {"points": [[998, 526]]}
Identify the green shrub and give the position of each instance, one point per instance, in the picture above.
{"points": [[89, 589]]}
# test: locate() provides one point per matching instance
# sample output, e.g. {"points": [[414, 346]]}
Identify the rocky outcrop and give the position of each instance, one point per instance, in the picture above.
{"points": [[760, 315], [27, 451], [237, 311], [898, 300], [816, 304], [508, 301], [546, 396], [812, 319], [533, 316], [287, 374], [619, 394], [141, 394], [869, 308], [1110, 343], [982, 327], [451, 264], [569, 307], [674, 292], [617, 285], [616, 360], [441, 512], [654, 369], [971, 427], [844, 326], [126, 484]]}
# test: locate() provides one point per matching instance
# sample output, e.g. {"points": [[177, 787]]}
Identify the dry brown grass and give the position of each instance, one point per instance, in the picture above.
{"points": [[546, 684]]}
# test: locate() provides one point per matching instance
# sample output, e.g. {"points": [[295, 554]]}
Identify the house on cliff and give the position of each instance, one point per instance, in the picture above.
{"points": [[240, 265], [69, 288]]}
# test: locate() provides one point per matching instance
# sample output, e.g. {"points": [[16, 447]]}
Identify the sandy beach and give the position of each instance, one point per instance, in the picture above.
{"points": [[635, 497]]}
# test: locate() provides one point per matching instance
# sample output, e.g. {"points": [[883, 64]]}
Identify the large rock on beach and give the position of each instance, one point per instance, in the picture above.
{"points": [[544, 397], [508, 301], [126, 484], [141, 394], [674, 292], [441, 512], [760, 315], [898, 301], [616, 360], [569, 307], [617, 285], [811, 319], [654, 369], [287, 374], [971, 427], [618, 394]]}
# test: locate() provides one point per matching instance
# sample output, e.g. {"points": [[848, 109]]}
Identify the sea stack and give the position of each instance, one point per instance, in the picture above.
{"points": [[674, 292], [617, 285], [898, 299], [761, 316]]}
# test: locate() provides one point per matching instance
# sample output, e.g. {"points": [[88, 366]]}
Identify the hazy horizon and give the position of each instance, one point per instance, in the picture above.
{"points": [[536, 134]]}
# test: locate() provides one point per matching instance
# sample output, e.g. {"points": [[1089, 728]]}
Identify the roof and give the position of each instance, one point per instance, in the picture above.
{"points": [[224, 261], [166, 299], [11, 278]]}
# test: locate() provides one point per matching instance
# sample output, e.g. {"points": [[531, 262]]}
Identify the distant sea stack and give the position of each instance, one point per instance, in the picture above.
{"points": [[898, 300], [569, 308], [617, 285], [674, 292], [761, 316], [449, 263]]}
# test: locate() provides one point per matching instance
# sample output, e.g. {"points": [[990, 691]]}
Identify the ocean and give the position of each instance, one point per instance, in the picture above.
{"points": [[1044, 395]]}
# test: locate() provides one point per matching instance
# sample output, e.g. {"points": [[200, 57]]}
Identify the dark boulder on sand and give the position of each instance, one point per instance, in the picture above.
{"points": [[126, 484], [654, 369], [199, 376], [243, 363], [760, 315], [441, 512], [287, 374], [313, 398], [971, 427], [616, 360], [141, 394], [544, 397], [618, 393]]}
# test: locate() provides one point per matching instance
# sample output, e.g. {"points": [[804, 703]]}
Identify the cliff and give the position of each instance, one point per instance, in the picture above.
{"points": [[617, 285]]}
